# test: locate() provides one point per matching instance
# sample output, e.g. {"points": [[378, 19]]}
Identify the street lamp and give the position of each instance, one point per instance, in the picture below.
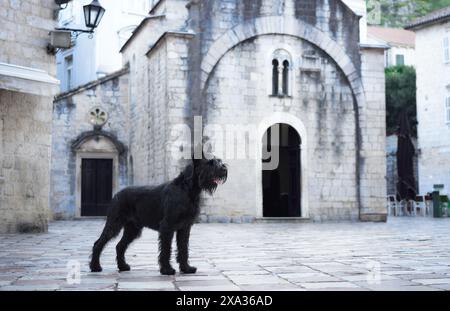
{"points": [[93, 14], [61, 38]]}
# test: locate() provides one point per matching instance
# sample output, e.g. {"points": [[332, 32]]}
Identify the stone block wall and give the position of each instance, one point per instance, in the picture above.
{"points": [[24, 33], [151, 70], [222, 74], [238, 94], [25, 140], [372, 112], [70, 120], [25, 115]]}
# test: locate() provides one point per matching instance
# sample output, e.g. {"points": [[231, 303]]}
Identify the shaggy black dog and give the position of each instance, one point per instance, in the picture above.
{"points": [[168, 208]]}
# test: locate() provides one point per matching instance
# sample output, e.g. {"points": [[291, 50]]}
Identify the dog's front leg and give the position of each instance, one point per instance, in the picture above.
{"points": [[183, 250], [165, 249]]}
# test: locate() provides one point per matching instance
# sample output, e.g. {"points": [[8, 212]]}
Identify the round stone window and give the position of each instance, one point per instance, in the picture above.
{"points": [[97, 116]]}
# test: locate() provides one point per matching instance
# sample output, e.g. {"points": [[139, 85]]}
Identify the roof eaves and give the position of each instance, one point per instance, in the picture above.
{"points": [[432, 18], [186, 34], [138, 30]]}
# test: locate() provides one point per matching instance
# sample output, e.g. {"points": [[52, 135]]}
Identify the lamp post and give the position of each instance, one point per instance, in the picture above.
{"points": [[61, 38]]}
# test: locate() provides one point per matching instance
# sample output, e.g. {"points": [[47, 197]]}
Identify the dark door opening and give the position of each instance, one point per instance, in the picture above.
{"points": [[96, 186], [281, 186]]}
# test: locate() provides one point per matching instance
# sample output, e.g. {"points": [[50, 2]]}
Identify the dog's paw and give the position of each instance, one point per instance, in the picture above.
{"points": [[167, 271], [124, 267], [188, 269], [95, 268]]}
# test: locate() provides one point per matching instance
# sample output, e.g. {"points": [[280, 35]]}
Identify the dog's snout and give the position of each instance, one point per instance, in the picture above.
{"points": [[224, 168]]}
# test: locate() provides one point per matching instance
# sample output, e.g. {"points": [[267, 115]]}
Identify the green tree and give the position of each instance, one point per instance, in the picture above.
{"points": [[400, 95], [398, 13], [438, 4]]}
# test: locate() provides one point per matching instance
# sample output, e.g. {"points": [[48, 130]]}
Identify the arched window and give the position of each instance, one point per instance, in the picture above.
{"points": [[286, 77], [281, 73], [275, 82]]}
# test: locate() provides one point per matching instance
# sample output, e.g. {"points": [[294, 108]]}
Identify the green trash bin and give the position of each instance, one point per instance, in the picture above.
{"points": [[445, 205], [437, 205]]}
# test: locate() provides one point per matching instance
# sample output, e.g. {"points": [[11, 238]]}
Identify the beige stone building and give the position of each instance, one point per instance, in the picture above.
{"points": [[433, 100], [246, 65], [401, 45], [27, 87]]}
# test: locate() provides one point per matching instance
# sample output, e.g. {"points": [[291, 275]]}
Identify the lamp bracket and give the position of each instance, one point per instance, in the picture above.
{"points": [[77, 32]]}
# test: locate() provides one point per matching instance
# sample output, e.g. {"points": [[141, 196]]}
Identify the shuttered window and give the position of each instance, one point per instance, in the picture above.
{"points": [[446, 50], [447, 109]]}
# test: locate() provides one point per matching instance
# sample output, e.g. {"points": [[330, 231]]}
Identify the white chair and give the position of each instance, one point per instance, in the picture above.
{"points": [[414, 206], [419, 204], [428, 200], [392, 205], [403, 208]]}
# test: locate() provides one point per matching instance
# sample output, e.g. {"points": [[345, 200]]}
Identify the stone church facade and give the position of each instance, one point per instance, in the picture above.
{"points": [[299, 64]]}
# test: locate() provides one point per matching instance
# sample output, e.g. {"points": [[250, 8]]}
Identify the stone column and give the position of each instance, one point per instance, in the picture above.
{"points": [[280, 79], [372, 115]]}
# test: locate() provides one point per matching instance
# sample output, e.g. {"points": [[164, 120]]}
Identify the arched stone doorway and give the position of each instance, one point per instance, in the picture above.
{"points": [[97, 171], [282, 185]]}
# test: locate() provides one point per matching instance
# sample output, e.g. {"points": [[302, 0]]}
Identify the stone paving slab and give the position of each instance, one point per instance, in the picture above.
{"points": [[407, 254]]}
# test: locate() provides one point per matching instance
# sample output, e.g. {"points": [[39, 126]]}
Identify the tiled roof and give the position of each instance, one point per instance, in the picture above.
{"points": [[433, 17], [394, 36]]}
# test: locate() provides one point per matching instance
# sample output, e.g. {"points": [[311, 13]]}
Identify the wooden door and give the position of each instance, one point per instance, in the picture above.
{"points": [[96, 186]]}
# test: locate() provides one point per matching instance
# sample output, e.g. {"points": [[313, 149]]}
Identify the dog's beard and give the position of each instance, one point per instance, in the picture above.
{"points": [[210, 188], [210, 182]]}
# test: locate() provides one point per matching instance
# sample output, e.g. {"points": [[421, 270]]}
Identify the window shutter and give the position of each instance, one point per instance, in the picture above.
{"points": [[446, 50], [447, 109]]}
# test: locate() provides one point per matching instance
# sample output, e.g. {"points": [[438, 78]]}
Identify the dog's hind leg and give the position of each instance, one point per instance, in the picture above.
{"points": [[165, 248], [112, 229], [130, 233], [183, 250]]}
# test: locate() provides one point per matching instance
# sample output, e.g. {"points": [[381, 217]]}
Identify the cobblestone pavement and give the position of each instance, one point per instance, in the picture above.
{"points": [[403, 254]]}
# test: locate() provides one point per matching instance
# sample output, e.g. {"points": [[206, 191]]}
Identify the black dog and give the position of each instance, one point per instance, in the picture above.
{"points": [[168, 208]]}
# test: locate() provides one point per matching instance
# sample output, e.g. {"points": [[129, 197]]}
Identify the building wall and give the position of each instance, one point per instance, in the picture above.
{"points": [[372, 120], [238, 95], [433, 80], [25, 117], [70, 120], [359, 7], [200, 68], [24, 33], [149, 92], [234, 94], [408, 53], [25, 139], [98, 56]]}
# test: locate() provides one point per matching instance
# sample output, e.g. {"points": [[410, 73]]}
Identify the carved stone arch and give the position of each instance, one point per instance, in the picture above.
{"points": [[84, 137], [283, 26], [282, 55], [300, 128]]}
